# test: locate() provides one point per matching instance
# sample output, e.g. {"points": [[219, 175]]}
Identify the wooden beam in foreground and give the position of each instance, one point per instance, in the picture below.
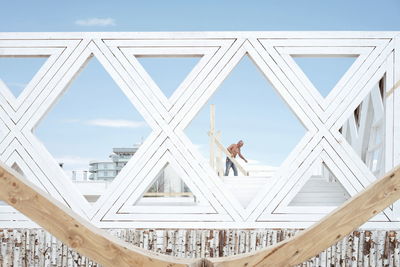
{"points": [[331, 229], [107, 250], [73, 230]]}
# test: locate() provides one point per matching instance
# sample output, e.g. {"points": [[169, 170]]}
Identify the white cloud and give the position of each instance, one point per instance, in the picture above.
{"points": [[116, 123], [95, 22]]}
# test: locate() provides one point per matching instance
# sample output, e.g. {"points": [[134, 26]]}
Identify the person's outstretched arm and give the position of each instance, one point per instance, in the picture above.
{"points": [[241, 156]]}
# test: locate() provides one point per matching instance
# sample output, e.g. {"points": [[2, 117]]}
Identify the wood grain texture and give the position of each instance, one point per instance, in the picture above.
{"points": [[109, 251], [71, 229], [351, 215]]}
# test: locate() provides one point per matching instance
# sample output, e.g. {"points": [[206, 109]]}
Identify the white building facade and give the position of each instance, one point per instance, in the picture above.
{"points": [[107, 170]]}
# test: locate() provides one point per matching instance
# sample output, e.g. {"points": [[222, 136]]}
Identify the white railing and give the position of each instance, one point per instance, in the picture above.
{"points": [[350, 155]]}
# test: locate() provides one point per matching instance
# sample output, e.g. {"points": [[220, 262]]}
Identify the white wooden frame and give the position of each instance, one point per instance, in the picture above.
{"points": [[220, 52]]}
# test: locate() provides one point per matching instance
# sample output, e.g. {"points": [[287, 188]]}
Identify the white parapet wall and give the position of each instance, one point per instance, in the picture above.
{"points": [[341, 134]]}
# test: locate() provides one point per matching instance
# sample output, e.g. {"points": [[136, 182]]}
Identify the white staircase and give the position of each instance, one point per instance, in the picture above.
{"points": [[317, 191]]}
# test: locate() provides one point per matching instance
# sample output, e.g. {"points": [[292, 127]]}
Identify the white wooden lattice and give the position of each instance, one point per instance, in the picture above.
{"points": [[272, 52]]}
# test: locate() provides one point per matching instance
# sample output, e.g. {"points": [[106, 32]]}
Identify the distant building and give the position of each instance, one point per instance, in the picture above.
{"points": [[102, 172], [108, 169]]}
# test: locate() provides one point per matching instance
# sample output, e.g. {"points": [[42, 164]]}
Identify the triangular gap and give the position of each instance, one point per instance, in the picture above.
{"points": [[16, 167], [324, 72], [369, 120], [93, 130], [17, 72], [197, 202], [20, 163], [321, 189], [167, 189], [248, 108], [168, 72], [357, 113]]}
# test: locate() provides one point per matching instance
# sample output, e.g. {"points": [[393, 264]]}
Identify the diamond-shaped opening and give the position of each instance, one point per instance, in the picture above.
{"points": [[365, 129], [168, 72], [324, 72], [17, 72], [168, 189], [93, 131], [321, 189], [247, 108]]}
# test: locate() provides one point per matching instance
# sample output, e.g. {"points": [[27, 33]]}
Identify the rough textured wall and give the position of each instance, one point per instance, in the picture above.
{"points": [[36, 247]]}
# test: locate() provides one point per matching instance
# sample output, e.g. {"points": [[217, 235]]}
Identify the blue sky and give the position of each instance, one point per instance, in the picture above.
{"points": [[177, 15], [94, 105]]}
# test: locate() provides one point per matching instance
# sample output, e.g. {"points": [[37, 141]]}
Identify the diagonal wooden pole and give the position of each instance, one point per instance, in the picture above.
{"points": [[394, 88], [107, 250], [73, 230], [331, 229]]}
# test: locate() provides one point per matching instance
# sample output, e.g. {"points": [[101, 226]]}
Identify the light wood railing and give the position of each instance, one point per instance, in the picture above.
{"points": [[107, 250]]}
